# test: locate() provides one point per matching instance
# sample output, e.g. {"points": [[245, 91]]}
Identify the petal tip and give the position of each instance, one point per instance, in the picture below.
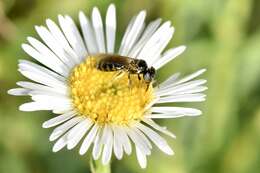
{"points": [[81, 13], [55, 149], [24, 108], [44, 125], [112, 6], [10, 92], [81, 152]]}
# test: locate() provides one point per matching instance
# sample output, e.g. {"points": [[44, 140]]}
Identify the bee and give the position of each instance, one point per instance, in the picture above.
{"points": [[110, 62]]}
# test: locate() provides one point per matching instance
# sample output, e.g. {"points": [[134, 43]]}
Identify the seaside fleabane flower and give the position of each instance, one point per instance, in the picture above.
{"points": [[92, 107]]}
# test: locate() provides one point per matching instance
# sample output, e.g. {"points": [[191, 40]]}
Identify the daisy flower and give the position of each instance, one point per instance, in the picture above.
{"points": [[93, 109]]}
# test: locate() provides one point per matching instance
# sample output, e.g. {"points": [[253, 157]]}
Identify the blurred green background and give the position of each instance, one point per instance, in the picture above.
{"points": [[221, 35]]}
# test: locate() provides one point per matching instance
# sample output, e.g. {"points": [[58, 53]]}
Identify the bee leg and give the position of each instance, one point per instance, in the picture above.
{"points": [[139, 77], [147, 86], [118, 75], [129, 81], [156, 83]]}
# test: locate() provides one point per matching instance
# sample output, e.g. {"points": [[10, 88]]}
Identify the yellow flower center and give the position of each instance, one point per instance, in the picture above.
{"points": [[106, 97]]}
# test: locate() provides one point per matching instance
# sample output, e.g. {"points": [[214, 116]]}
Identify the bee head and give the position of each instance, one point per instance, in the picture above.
{"points": [[149, 74], [142, 65]]}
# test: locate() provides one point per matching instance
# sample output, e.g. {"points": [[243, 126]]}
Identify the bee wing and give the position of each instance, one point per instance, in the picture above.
{"points": [[113, 62]]}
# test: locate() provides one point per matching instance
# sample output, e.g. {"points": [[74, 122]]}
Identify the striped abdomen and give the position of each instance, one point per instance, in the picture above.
{"points": [[112, 63], [109, 66]]}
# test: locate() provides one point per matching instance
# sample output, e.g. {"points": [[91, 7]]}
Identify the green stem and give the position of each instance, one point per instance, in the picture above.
{"points": [[96, 166]]}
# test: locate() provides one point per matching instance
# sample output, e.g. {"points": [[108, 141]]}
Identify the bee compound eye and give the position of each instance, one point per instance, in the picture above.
{"points": [[142, 64]]}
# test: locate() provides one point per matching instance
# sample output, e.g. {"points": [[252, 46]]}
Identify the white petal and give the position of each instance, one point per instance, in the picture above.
{"points": [[25, 65], [79, 43], [46, 105], [54, 45], [183, 98], [159, 128], [197, 89], [98, 30], [44, 80], [169, 81], [128, 29], [50, 94], [150, 29], [61, 143], [72, 34], [148, 51], [74, 140], [34, 106], [138, 141], [168, 56], [158, 48], [154, 101], [108, 147], [50, 97], [176, 111], [142, 137], [62, 41], [167, 115], [111, 28], [191, 76], [141, 157], [74, 131], [132, 33], [88, 140], [60, 130], [185, 88], [41, 88], [18, 91], [56, 100], [47, 53], [53, 63], [39, 76], [62, 109], [124, 139], [118, 144], [101, 139], [58, 119], [88, 33], [97, 146], [157, 139]]}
